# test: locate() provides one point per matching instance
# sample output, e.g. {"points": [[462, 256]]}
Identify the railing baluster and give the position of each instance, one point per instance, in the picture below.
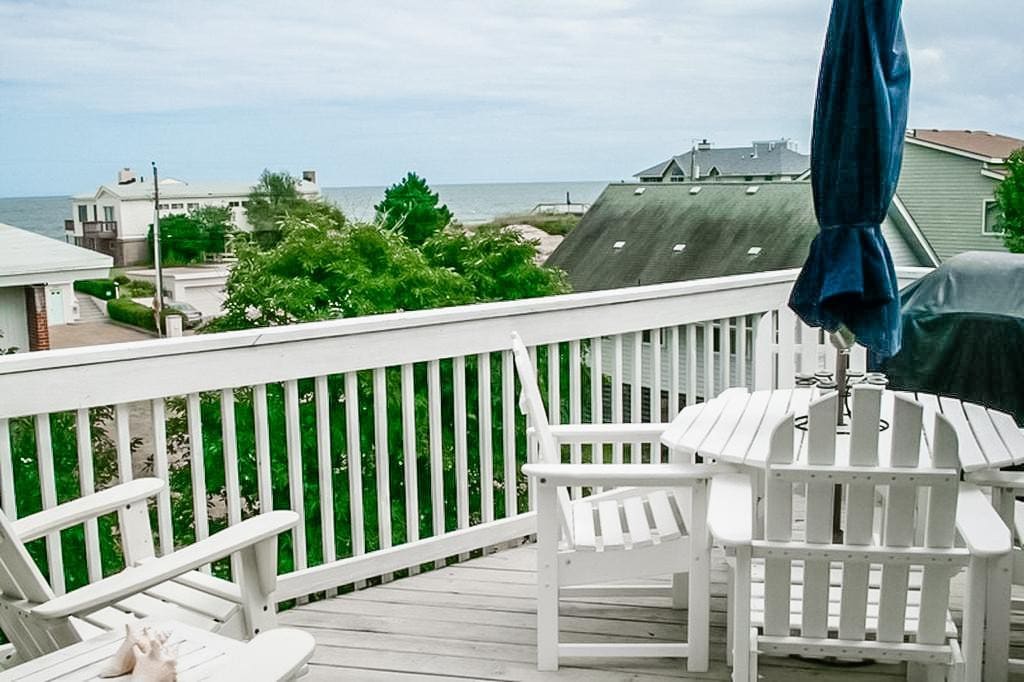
{"points": [[709, 360], [436, 455], [617, 394], [87, 486], [355, 463], [124, 442], [725, 351], [554, 383], [461, 443], [165, 527], [691, 364], [655, 399], [48, 493], [325, 471], [382, 458], [261, 426], [485, 435], [674, 378], [198, 468], [636, 395], [7, 492], [296, 490], [741, 350], [229, 438], [596, 395], [410, 467], [508, 434], [575, 409]]}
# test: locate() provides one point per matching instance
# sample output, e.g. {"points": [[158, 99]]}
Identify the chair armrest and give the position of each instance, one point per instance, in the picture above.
{"points": [[612, 475], [84, 508], [573, 434], [1009, 480], [155, 571], [731, 509], [277, 654], [979, 524]]}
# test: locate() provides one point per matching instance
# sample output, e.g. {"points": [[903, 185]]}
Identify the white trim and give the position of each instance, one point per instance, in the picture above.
{"points": [[993, 174], [950, 150], [915, 230], [984, 218]]}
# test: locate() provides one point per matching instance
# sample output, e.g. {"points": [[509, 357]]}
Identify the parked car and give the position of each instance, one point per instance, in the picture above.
{"points": [[190, 312]]}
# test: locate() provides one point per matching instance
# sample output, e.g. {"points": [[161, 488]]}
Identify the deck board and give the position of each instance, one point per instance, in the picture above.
{"points": [[475, 620]]}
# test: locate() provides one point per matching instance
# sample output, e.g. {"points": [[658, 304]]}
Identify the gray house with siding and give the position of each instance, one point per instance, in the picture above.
{"points": [[946, 189], [763, 161]]}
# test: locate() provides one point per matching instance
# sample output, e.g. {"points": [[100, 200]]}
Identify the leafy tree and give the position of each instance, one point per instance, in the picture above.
{"points": [[409, 207], [498, 263], [271, 197], [322, 270], [276, 197], [188, 238], [1010, 197]]}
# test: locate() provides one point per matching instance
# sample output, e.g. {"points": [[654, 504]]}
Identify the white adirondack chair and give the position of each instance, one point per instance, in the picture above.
{"points": [[169, 587], [583, 544], [879, 595], [1004, 486]]}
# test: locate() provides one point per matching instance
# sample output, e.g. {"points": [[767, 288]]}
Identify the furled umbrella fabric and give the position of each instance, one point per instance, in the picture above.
{"points": [[860, 116]]}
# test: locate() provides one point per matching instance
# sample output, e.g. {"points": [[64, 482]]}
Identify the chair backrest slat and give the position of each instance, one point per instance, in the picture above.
{"points": [[898, 525], [778, 526], [532, 405], [940, 533], [860, 511], [821, 450]]}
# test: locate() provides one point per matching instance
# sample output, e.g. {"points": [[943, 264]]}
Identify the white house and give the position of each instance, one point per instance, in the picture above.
{"points": [[36, 278], [115, 219]]}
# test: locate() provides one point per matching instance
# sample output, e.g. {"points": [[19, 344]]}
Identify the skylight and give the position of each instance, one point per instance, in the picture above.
{"points": [[679, 248], [695, 190], [753, 190], [639, 190], [618, 244], [754, 251]]}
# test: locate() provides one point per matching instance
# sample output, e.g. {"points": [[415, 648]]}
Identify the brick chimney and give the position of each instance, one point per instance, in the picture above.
{"points": [[35, 309]]}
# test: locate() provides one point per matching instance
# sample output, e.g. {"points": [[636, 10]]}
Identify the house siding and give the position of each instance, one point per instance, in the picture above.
{"points": [[944, 194]]}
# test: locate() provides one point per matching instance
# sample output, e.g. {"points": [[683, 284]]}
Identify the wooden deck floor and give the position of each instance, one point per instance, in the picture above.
{"points": [[475, 620]]}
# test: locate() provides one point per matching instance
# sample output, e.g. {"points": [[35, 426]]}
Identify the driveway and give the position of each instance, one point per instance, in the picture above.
{"points": [[93, 334]]}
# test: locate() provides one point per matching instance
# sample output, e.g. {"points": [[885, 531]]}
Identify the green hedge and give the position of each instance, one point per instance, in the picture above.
{"points": [[128, 311], [100, 288]]}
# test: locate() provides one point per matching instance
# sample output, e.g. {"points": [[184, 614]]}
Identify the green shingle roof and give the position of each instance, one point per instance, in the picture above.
{"points": [[718, 225]]}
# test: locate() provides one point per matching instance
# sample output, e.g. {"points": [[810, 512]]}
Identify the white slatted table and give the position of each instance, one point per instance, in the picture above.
{"points": [[736, 426], [200, 655]]}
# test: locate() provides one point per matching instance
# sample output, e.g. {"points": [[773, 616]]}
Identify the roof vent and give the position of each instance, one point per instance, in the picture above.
{"points": [[679, 248], [695, 190], [639, 190], [754, 251], [753, 190], [618, 245]]}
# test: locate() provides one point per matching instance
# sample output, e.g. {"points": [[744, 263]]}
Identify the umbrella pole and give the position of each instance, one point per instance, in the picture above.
{"points": [[843, 340]]}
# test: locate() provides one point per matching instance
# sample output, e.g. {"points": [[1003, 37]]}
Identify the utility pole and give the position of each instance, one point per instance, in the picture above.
{"points": [[158, 299]]}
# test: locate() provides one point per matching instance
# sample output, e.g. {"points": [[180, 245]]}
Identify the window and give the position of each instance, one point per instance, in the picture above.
{"points": [[163, 207], [991, 216], [177, 206], [748, 178], [193, 206], [650, 178], [83, 213], [678, 178], [234, 204], [769, 178], [108, 214], [245, 204]]}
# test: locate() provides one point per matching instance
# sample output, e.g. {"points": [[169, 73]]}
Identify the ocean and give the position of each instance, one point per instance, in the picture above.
{"points": [[470, 203]]}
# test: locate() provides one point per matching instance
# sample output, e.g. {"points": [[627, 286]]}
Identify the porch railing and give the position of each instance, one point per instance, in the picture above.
{"points": [[395, 437]]}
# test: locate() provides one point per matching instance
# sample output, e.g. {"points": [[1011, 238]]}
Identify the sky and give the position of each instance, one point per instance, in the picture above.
{"points": [[459, 91]]}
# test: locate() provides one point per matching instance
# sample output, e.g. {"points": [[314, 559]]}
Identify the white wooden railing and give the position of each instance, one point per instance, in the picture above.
{"points": [[379, 411]]}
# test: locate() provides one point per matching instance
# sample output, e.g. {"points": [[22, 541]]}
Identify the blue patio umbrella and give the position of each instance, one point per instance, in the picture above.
{"points": [[848, 283]]}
